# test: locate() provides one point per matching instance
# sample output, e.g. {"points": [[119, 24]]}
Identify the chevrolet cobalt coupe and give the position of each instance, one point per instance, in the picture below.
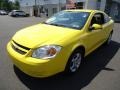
{"points": [[60, 43]]}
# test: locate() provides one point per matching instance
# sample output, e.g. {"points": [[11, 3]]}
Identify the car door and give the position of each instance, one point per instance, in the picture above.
{"points": [[108, 25], [95, 38]]}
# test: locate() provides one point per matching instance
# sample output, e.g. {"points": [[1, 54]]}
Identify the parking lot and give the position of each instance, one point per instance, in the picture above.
{"points": [[100, 71]]}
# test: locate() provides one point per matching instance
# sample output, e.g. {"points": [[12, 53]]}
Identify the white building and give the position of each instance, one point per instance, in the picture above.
{"points": [[49, 7], [53, 6], [113, 9], [38, 7]]}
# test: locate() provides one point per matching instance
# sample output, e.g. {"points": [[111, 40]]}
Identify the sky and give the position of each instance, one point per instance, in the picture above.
{"points": [[12, 0]]}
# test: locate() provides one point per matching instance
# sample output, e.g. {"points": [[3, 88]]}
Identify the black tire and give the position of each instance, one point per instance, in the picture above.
{"points": [[73, 65], [108, 39]]}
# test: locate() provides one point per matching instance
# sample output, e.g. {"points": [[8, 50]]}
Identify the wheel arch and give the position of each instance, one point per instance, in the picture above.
{"points": [[111, 31], [79, 47]]}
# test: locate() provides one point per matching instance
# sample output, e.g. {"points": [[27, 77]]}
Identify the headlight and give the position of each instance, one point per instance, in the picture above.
{"points": [[46, 52]]}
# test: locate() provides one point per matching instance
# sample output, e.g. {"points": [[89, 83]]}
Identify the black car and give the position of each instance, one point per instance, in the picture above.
{"points": [[18, 13]]}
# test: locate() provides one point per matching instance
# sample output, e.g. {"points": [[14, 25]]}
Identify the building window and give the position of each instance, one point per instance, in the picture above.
{"points": [[54, 10], [98, 4], [63, 8], [99, 0], [79, 5], [70, 4]]}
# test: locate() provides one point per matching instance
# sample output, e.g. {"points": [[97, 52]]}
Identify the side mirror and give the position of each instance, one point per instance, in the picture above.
{"points": [[95, 27]]}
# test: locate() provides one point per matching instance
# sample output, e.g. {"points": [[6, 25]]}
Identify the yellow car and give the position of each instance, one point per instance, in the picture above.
{"points": [[60, 43]]}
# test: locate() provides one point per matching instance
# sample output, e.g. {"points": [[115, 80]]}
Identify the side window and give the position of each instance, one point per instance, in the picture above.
{"points": [[98, 18], [106, 18]]}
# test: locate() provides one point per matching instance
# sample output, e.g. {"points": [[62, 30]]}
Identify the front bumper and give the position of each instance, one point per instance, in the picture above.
{"points": [[36, 67]]}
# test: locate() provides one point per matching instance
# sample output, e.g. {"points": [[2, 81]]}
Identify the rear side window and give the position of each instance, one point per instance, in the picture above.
{"points": [[106, 18]]}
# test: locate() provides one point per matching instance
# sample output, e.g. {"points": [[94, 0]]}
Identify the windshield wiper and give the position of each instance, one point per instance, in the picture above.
{"points": [[58, 25], [50, 23], [55, 24]]}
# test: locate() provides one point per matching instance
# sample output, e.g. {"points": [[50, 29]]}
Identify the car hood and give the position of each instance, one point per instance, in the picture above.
{"points": [[43, 34]]}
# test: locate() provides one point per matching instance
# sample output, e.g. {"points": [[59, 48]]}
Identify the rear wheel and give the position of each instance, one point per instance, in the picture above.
{"points": [[74, 62], [109, 39]]}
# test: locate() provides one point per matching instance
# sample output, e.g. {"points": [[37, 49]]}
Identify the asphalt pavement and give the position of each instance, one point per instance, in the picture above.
{"points": [[100, 71]]}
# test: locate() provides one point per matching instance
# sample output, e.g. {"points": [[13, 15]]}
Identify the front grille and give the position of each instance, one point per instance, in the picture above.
{"points": [[26, 48], [18, 50], [15, 45]]}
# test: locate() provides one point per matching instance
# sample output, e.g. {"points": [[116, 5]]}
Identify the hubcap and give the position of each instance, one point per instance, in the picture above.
{"points": [[75, 62]]}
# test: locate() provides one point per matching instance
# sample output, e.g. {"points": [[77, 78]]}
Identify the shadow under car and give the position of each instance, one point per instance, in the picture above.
{"points": [[91, 67]]}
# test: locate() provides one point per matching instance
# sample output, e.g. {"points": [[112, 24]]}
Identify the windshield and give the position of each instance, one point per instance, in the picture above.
{"points": [[69, 19]]}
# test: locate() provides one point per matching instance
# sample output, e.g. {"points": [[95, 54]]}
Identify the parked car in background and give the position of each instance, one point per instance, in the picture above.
{"points": [[18, 13], [60, 43], [3, 12]]}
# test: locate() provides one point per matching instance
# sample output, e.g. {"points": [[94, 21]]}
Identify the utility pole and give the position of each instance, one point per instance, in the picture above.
{"points": [[86, 6], [35, 3], [35, 13], [59, 5], [38, 8]]}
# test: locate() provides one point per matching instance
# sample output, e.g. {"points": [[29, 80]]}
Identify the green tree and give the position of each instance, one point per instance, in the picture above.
{"points": [[16, 5], [9, 5], [1, 4], [4, 4]]}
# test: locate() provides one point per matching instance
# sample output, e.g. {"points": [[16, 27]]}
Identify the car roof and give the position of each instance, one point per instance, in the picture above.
{"points": [[17, 10], [83, 10]]}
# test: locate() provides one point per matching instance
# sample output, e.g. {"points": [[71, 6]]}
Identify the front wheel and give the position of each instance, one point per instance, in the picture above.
{"points": [[74, 62]]}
